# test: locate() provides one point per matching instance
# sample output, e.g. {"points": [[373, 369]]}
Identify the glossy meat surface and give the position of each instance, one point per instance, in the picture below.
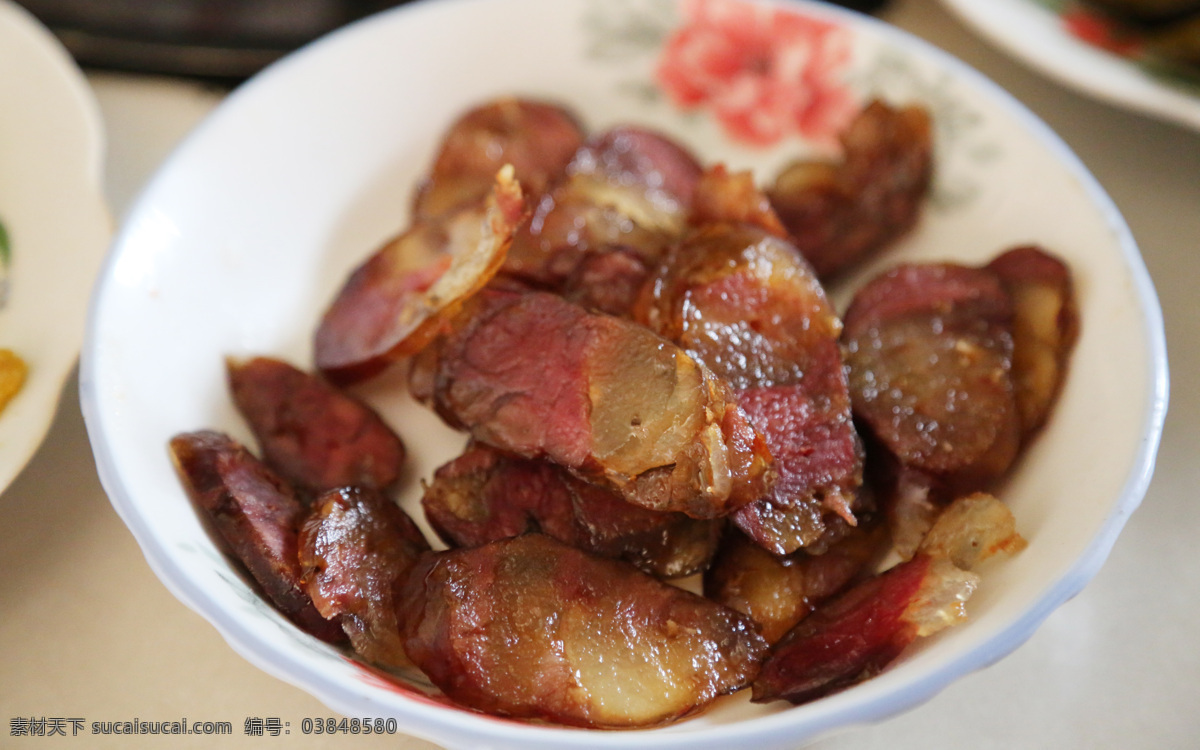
{"points": [[857, 634], [256, 515], [929, 351], [745, 303], [355, 549], [483, 496], [838, 214], [724, 196], [401, 297], [607, 399], [529, 627], [537, 138], [1045, 328], [626, 189], [312, 433], [778, 592]]}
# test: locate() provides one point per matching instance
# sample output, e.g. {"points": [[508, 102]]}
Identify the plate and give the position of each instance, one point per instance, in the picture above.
{"points": [[51, 160], [1033, 31], [240, 241]]}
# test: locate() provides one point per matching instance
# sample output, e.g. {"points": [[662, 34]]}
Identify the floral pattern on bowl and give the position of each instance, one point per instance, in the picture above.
{"points": [[776, 76]]}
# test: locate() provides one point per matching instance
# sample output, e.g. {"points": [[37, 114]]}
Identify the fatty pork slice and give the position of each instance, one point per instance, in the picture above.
{"points": [[1045, 328], [856, 635], [778, 592], [356, 547], [484, 495], [747, 305], [627, 189], [973, 529], [312, 433], [537, 138], [724, 196], [531, 628], [929, 349], [256, 515], [603, 397], [840, 213], [401, 297]]}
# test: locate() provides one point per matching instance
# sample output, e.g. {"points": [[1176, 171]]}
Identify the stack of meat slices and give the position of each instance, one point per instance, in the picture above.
{"points": [[652, 384]]}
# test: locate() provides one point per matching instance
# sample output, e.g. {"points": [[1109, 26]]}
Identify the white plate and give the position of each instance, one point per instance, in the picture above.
{"points": [[51, 156], [239, 243], [1033, 32]]}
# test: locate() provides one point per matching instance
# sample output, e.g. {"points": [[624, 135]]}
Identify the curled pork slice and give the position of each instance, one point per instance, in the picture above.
{"points": [[537, 138], [484, 495], [746, 304], [356, 547], [393, 304], [778, 592], [855, 635], [626, 188], [256, 515], [1045, 327], [603, 397], [315, 435], [929, 350], [529, 627], [839, 213]]}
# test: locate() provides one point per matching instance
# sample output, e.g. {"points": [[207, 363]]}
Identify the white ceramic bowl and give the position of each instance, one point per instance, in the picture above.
{"points": [[238, 244], [51, 202]]}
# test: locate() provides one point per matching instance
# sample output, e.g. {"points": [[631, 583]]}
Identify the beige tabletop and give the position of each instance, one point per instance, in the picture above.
{"points": [[89, 633]]}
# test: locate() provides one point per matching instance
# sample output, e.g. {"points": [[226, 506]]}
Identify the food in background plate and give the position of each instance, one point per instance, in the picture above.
{"points": [[1166, 29], [13, 372], [1149, 11]]}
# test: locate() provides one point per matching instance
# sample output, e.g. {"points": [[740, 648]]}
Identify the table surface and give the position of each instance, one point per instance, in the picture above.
{"points": [[89, 632]]}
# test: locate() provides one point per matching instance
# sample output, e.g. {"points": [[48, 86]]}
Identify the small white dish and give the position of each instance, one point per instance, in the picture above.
{"points": [[1033, 31], [51, 203], [240, 241]]}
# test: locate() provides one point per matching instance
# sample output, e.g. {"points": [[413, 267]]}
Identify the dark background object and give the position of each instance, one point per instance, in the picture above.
{"points": [[210, 38], [224, 39], [866, 6]]}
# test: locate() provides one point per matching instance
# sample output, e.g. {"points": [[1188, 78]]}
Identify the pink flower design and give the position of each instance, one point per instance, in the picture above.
{"points": [[765, 72]]}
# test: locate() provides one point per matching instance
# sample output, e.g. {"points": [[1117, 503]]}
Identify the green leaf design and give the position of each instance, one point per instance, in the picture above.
{"points": [[634, 29], [5, 261], [5, 247]]}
